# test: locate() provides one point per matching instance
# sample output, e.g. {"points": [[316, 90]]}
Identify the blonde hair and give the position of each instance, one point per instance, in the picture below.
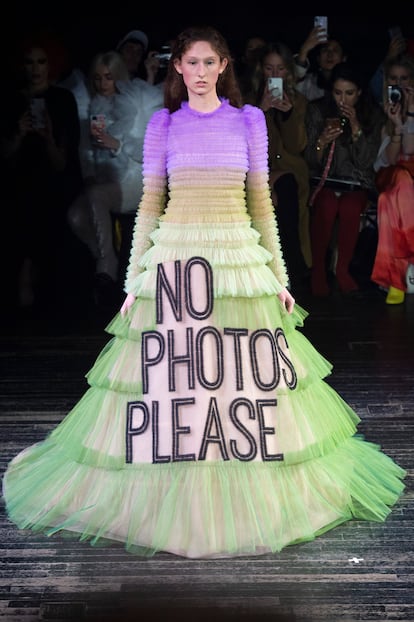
{"points": [[115, 63]]}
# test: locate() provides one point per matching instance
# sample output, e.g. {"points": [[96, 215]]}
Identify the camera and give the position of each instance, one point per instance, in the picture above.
{"points": [[395, 94], [164, 55]]}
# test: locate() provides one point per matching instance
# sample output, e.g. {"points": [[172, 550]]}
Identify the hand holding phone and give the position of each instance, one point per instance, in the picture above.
{"points": [[333, 123], [97, 126]]}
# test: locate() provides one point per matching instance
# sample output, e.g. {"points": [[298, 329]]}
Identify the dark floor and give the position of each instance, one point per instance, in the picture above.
{"points": [[357, 571]]}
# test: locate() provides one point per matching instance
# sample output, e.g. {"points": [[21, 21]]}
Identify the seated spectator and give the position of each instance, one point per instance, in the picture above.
{"points": [[247, 66], [395, 183], [344, 134], [316, 81], [140, 61], [289, 175], [39, 145], [133, 48], [397, 46], [112, 163]]}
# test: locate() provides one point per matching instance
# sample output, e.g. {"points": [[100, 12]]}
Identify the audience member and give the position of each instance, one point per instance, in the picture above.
{"points": [[119, 112], [316, 81], [289, 175], [133, 48], [141, 61], [247, 66], [344, 134], [395, 182], [397, 46], [39, 145], [156, 64]]}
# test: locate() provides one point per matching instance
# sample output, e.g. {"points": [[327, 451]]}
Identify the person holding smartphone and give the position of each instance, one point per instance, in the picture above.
{"points": [[289, 176], [344, 149], [102, 215], [40, 134], [315, 61], [394, 166]]}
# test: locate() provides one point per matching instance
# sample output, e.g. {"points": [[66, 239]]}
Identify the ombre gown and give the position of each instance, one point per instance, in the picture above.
{"points": [[208, 429]]}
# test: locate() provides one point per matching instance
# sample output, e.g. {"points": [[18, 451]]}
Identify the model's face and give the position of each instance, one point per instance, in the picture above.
{"points": [[103, 81], [345, 92], [37, 68], [273, 66], [200, 67]]}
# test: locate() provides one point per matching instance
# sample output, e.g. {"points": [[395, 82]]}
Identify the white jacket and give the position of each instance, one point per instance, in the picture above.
{"points": [[126, 114]]}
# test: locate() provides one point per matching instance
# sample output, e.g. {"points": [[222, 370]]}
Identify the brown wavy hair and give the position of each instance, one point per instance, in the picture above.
{"points": [[175, 91]]}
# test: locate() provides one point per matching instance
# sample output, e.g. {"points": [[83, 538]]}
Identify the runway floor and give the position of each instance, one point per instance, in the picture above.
{"points": [[357, 571]]}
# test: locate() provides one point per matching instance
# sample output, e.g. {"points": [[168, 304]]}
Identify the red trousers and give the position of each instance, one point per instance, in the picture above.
{"points": [[327, 210]]}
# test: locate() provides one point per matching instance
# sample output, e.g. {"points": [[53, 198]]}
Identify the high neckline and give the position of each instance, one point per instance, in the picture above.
{"points": [[198, 113]]}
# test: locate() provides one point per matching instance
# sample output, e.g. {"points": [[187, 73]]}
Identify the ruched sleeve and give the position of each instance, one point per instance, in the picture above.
{"points": [[154, 196]]}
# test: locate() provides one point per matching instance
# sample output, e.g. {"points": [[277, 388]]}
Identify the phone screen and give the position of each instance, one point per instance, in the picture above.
{"points": [[321, 21], [275, 86], [38, 112], [98, 122]]}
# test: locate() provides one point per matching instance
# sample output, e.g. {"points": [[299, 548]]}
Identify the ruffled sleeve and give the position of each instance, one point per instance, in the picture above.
{"points": [[154, 196], [259, 202]]}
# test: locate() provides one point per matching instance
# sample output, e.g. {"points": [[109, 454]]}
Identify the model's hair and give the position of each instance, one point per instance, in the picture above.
{"points": [[175, 91], [115, 63]]}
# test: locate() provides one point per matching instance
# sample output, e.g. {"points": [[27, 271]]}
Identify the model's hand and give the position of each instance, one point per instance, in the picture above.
{"points": [[127, 304], [286, 299]]}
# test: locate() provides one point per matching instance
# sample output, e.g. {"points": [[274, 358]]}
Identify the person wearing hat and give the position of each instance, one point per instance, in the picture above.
{"points": [[133, 48]]}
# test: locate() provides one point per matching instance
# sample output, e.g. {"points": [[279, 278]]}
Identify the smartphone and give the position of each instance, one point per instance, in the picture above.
{"points": [[333, 123], [97, 122], [38, 113], [275, 86], [321, 21]]}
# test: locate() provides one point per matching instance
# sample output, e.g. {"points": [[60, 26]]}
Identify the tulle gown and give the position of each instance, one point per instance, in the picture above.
{"points": [[208, 429]]}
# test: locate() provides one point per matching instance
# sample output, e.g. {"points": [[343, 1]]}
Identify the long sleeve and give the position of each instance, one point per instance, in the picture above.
{"points": [[259, 203], [153, 200]]}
